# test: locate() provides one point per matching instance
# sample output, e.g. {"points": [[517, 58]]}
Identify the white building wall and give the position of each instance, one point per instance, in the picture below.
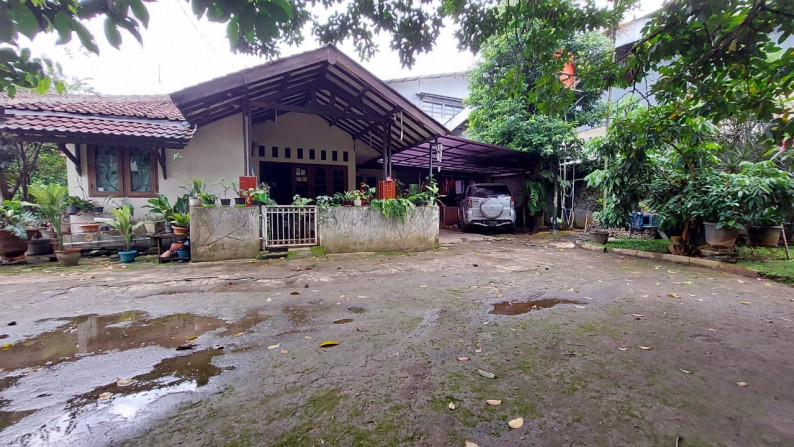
{"points": [[297, 130], [216, 150]]}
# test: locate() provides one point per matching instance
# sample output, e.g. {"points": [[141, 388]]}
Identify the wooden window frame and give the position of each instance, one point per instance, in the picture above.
{"points": [[123, 156]]}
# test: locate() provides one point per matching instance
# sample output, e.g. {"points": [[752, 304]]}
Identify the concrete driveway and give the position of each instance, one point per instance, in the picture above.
{"points": [[587, 349]]}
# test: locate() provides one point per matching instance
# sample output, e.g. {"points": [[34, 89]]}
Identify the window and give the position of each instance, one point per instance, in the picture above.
{"points": [[122, 171], [439, 110]]}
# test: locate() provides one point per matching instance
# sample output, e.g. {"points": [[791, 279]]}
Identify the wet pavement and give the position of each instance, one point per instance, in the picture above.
{"points": [[93, 358]]}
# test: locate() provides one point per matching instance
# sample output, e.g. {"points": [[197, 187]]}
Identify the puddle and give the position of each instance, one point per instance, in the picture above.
{"points": [[297, 316], [82, 414], [93, 334], [509, 308], [343, 321], [357, 310]]}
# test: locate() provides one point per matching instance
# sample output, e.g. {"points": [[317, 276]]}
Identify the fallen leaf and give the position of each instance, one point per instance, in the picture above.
{"points": [[423, 286], [475, 265], [486, 374], [579, 307], [470, 444], [7, 346], [451, 406], [362, 296], [478, 350], [644, 296], [294, 293], [493, 402], [742, 384], [499, 295], [125, 382], [516, 423], [284, 351], [623, 349], [328, 344], [191, 338], [269, 300], [638, 315], [463, 359], [744, 302], [712, 330], [308, 337], [671, 271], [684, 371], [239, 334], [104, 397], [741, 281], [644, 347], [274, 346], [672, 295]]}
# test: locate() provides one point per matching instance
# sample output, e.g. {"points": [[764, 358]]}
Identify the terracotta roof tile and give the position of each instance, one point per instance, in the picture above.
{"points": [[96, 126], [151, 107]]}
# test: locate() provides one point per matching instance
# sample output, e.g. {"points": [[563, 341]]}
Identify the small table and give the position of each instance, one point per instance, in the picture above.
{"points": [[159, 237]]}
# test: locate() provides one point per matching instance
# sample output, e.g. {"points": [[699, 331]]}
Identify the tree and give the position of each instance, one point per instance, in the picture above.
{"points": [[262, 26]]}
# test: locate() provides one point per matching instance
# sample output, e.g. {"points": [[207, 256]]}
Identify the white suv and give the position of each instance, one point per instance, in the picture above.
{"points": [[488, 205]]}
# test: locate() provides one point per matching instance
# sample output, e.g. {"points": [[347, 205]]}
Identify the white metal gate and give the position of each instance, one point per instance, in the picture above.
{"points": [[289, 226]]}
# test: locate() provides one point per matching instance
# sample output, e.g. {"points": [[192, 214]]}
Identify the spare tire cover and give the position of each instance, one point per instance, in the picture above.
{"points": [[491, 207]]}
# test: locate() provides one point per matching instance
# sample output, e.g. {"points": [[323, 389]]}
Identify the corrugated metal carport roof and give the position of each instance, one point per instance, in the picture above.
{"points": [[462, 155]]}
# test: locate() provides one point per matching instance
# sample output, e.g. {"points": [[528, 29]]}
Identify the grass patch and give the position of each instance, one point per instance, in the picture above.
{"points": [[317, 251], [652, 245], [769, 262]]}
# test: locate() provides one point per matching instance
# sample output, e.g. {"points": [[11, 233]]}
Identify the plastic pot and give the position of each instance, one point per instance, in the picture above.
{"points": [[764, 236], [226, 202], [599, 237], [127, 256]]}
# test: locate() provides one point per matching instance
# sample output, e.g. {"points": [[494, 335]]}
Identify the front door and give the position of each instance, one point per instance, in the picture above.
{"points": [[306, 180]]}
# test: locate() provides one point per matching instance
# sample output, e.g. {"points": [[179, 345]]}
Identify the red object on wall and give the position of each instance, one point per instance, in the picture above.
{"points": [[387, 190], [247, 182], [568, 73]]}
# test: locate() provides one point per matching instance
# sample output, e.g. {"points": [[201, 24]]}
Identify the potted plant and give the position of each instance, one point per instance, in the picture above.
{"points": [[208, 199], [367, 193], [14, 220], [767, 197], [765, 227], [297, 200], [180, 223], [160, 208], [227, 186], [323, 201], [338, 198], [51, 203], [194, 189], [122, 222], [240, 200]]}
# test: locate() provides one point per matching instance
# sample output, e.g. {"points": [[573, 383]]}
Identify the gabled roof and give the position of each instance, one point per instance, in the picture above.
{"points": [[324, 82], [152, 120]]}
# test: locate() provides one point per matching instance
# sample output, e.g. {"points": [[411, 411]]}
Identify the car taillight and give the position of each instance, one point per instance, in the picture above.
{"points": [[468, 202], [512, 203]]}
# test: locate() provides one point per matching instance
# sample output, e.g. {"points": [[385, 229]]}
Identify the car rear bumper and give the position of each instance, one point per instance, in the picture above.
{"points": [[492, 223]]}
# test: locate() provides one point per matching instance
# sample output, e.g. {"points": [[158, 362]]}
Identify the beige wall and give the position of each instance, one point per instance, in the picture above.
{"points": [[216, 150], [297, 130]]}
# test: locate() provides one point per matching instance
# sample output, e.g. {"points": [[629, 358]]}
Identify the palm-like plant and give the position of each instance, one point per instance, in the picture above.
{"points": [[14, 218], [122, 222], [51, 202]]}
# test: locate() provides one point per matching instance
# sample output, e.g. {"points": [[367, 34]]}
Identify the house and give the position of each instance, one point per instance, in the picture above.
{"points": [[440, 96], [311, 124]]}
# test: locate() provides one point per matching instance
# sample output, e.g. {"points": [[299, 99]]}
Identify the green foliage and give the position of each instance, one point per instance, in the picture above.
{"points": [[720, 60], [122, 222], [652, 245], [50, 204], [207, 197], [297, 200], [14, 217], [394, 208], [324, 201], [180, 220], [227, 186], [160, 205], [23, 163], [195, 187]]}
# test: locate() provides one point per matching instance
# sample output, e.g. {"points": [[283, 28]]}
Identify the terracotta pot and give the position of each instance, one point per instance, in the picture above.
{"points": [[180, 230], [723, 237], [68, 257], [766, 236], [11, 246], [90, 228]]}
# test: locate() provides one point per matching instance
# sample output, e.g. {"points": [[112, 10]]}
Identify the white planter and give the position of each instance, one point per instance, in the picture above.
{"points": [[357, 203]]}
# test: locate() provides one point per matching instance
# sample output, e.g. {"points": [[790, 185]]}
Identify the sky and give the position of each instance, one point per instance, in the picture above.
{"points": [[179, 51]]}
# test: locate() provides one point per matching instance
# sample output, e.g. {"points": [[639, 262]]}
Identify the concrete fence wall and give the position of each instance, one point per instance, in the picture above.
{"points": [[222, 233], [354, 229]]}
